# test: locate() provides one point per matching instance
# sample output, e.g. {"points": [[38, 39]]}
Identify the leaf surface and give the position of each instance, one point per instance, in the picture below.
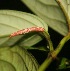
{"points": [[6, 66], [50, 12], [17, 59], [11, 21]]}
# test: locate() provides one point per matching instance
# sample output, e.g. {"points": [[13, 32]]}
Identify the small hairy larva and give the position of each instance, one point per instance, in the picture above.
{"points": [[27, 30]]}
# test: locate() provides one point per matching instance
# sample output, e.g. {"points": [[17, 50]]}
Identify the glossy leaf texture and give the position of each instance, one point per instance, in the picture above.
{"points": [[50, 12], [17, 59], [12, 21]]}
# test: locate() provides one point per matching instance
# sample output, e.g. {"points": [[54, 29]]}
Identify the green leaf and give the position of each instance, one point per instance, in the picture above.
{"points": [[68, 3], [17, 59], [11, 21], [65, 5], [6, 66], [50, 12], [64, 64], [30, 39], [41, 48]]}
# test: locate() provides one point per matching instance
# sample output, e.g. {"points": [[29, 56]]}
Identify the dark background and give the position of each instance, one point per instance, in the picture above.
{"points": [[55, 37]]}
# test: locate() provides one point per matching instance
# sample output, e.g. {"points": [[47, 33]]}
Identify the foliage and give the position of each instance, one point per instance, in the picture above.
{"points": [[14, 55]]}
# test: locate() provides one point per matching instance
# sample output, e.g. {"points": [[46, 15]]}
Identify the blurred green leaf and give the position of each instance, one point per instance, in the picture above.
{"points": [[65, 63], [11, 21], [17, 59], [50, 12]]}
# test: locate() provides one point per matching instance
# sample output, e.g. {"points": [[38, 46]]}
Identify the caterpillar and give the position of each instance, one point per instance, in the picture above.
{"points": [[27, 30]]}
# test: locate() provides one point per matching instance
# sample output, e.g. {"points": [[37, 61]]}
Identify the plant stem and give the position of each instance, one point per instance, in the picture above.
{"points": [[54, 54], [45, 64], [60, 45], [47, 36]]}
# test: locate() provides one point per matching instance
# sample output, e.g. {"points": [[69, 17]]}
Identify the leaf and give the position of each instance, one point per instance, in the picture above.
{"points": [[65, 5], [64, 64], [68, 2], [6, 66], [41, 48], [50, 12], [17, 59], [30, 39], [11, 21]]}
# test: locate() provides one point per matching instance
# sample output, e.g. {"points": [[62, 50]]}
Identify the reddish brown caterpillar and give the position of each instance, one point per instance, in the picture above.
{"points": [[27, 30]]}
